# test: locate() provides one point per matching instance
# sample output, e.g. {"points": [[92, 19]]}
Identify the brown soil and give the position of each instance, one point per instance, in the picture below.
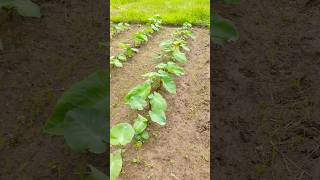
{"points": [[266, 93], [180, 149], [41, 58]]}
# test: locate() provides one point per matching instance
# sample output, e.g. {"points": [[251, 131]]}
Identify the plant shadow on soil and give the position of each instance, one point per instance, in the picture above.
{"points": [[41, 59], [266, 93]]}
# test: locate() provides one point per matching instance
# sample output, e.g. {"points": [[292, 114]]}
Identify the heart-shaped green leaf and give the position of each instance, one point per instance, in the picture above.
{"points": [[171, 67], [115, 164], [179, 56], [136, 96], [145, 135], [158, 103], [137, 102], [88, 93], [223, 30], [167, 82], [158, 117], [140, 124], [121, 134], [116, 62], [158, 108], [25, 8], [175, 69], [86, 129]]}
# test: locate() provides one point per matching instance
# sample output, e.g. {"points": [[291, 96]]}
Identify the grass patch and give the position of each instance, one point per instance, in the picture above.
{"points": [[173, 12]]}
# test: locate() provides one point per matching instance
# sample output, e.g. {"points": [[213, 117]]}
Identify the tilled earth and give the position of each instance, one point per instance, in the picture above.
{"points": [[41, 59], [266, 93]]}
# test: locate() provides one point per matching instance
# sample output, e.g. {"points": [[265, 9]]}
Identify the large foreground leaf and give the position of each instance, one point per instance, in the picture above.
{"points": [[86, 129], [115, 164], [24, 7], [223, 30], [92, 92]]}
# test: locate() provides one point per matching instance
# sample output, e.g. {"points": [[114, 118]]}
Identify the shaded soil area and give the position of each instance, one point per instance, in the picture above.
{"points": [[266, 93], [180, 149], [40, 59]]}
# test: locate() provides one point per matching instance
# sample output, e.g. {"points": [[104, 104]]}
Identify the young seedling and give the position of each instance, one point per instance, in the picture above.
{"points": [[117, 61], [139, 38], [118, 28], [129, 51]]}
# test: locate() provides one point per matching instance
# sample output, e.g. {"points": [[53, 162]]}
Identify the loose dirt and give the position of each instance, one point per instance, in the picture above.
{"points": [[266, 93], [180, 149], [40, 59]]}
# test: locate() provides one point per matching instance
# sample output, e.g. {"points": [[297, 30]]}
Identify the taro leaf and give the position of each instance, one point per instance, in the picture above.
{"points": [[158, 117], [145, 135], [185, 47], [115, 164], [116, 62], [122, 57], [158, 108], [179, 56], [158, 103], [96, 174], [86, 129], [167, 82], [137, 102], [140, 124], [140, 36], [88, 93], [124, 45], [25, 8], [175, 69], [136, 96], [223, 30], [121, 134]]}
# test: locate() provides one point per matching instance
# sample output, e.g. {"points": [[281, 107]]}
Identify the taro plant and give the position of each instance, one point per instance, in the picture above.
{"points": [[153, 25], [146, 96], [117, 60], [140, 37], [129, 51], [118, 28], [24, 8], [81, 117], [171, 50]]}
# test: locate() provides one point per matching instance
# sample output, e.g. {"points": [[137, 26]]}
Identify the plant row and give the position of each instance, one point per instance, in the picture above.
{"points": [[139, 38], [146, 96], [118, 28]]}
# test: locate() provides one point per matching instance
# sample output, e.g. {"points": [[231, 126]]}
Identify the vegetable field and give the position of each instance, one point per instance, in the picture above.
{"points": [[41, 57], [266, 92], [159, 106], [181, 140]]}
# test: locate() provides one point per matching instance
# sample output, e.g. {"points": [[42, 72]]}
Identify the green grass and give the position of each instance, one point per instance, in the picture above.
{"points": [[173, 12]]}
